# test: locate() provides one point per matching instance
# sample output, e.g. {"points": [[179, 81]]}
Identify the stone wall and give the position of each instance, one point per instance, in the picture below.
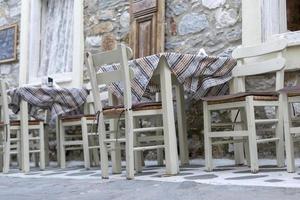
{"points": [[10, 11], [214, 25]]}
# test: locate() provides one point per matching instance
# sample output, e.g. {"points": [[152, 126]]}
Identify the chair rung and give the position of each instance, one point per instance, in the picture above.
{"points": [[115, 140], [148, 148], [74, 142], [266, 121], [225, 124], [151, 138], [73, 148], [217, 134], [267, 140], [14, 139], [13, 152], [148, 129], [34, 151], [34, 138], [94, 147], [228, 142]]}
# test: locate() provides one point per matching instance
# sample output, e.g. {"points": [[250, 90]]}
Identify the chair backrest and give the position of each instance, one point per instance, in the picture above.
{"points": [[124, 74], [4, 103], [260, 59]]}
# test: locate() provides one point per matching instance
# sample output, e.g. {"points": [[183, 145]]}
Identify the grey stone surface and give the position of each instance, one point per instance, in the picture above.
{"points": [[274, 180], [80, 173], [201, 177], [53, 173], [178, 7], [212, 4], [67, 189], [192, 23], [226, 18], [246, 177], [262, 170]]}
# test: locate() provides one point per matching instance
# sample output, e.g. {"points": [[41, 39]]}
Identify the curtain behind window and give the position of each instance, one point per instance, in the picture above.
{"points": [[57, 38]]}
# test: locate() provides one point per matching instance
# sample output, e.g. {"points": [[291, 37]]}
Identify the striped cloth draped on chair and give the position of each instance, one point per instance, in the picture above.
{"points": [[200, 75]]}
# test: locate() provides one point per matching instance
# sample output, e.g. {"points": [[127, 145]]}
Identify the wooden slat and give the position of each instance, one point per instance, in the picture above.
{"points": [[228, 142], [261, 49], [266, 121], [113, 76], [226, 106], [74, 142], [151, 138], [115, 140], [226, 124], [34, 151], [228, 134], [267, 140], [149, 129], [256, 68], [148, 148], [106, 58]]}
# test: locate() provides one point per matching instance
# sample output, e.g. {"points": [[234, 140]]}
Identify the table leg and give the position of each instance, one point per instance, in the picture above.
{"points": [[57, 141], [24, 136], [172, 167], [46, 141], [182, 130]]}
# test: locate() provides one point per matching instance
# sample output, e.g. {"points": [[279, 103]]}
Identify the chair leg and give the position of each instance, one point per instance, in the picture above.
{"points": [[289, 143], [160, 151], [6, 151], [46, 142], [207, 138], [129, 145], [103, 147], [246, 143], [95, 153], [280, 135], [19, 155], [42, 146], [86, 153], [138, 166], [1, 150], [252, 134], [62, 150], [116, 153]]}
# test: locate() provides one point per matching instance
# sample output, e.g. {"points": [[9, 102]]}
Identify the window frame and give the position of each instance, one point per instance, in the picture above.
{"points": [[31, 11]]}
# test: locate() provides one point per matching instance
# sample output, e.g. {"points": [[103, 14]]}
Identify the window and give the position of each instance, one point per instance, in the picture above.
{"points": [[52, 41], [293, 15]]}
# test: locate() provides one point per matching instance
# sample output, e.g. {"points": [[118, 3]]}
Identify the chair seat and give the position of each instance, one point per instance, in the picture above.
{"points": [[73, 118], [257, 96], [119, 109], [18, 123], [115, 110], [291, 90]]}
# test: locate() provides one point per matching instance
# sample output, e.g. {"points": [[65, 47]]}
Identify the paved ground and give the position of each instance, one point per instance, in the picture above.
{"points": [[226, 182], [226, 173], [60, 189]]}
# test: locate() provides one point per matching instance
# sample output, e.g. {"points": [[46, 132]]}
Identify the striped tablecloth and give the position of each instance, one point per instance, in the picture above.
{"points": [[58, 100], [200, 75]]}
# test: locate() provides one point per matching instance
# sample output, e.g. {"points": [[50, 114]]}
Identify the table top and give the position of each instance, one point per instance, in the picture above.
{"points": [[58, 100], [200, 75]]}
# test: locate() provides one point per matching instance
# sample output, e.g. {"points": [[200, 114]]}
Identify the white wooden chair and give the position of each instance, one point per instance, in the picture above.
{"points": [[10, 135], [85, 140], [254, 60], [290, 96], [127, 111]]}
